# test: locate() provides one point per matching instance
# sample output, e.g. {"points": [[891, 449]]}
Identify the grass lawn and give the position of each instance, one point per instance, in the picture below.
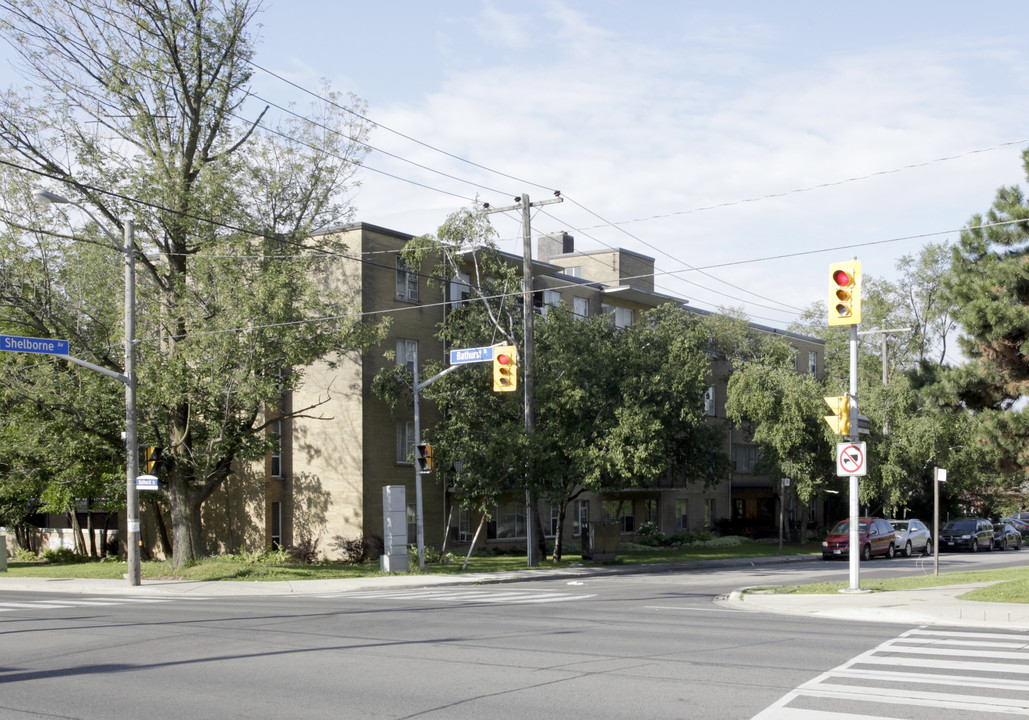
{"points": [[1010, 585], [232, 567]]}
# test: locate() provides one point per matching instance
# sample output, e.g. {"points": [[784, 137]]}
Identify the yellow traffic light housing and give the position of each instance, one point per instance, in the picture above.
{"points": [[152, 459], [423, 457], [505, 368], [845, 293], [839, 421]]}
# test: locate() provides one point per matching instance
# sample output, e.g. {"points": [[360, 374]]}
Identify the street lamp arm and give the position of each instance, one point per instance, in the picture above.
{"points": [[50, 198]]}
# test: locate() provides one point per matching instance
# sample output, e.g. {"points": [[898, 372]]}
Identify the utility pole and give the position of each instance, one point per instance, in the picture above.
{"points": [[529, 344]]}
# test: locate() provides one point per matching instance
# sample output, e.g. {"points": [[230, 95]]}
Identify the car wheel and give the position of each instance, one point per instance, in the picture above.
{"points": [[974, 547], [907, 549], [891, 552], [866, 552], [1004, 546], [1018, 544], [929, 547]]}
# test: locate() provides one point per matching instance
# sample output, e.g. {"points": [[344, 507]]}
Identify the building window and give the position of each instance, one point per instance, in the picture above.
{"points": [[405, 442], [460, 288], [682, 514], [555, 520], [407, 282], [276, 513], [812, 362], [623, 317], [744, 458], [709, 512], [412, 524], [407, 351], [620, 511], [574, 271], [551, 298], [277, 448], [509, 522], [582, 517], [581, 308], [464, 526], [709, 401]]}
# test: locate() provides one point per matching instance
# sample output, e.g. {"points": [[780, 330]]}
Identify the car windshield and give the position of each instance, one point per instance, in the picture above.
{"points": [[959, 526], [843, 528], [900, 525]]}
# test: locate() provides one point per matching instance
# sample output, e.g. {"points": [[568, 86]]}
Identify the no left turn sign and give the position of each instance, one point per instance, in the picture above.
{"points": [[851, 459]]}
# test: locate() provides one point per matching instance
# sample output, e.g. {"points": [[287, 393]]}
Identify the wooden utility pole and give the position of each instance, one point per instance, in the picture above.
{"points": [[529, 345]]}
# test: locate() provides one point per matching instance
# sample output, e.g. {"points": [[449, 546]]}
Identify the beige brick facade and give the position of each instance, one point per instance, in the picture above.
{"points": [[327, 479]]}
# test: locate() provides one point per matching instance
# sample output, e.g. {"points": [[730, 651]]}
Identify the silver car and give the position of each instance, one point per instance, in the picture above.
{"points": [[912, 537]]}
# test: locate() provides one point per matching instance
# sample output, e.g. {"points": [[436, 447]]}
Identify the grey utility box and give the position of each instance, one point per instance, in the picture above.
{"points": [[394, 529]]}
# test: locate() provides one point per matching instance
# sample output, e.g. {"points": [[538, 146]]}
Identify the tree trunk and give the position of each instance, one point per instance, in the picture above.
{"points": [[92, 533], [76, 530], [187, 535], [559, 536], [162, 526]]}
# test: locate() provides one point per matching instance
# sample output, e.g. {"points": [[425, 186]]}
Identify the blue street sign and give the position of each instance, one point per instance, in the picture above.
{"points": [[146, 482], [471, 355], [33, 345]]}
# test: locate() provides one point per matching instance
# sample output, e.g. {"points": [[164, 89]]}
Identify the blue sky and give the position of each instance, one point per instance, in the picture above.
{"points": [[692, 125]]}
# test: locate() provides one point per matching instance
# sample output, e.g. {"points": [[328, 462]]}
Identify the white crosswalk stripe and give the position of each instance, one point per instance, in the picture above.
{"points": [[940, 670], [468, 596], [51, 604]]}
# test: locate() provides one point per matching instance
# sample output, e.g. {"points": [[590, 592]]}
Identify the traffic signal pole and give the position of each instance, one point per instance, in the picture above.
{"points": [[854, 555]]}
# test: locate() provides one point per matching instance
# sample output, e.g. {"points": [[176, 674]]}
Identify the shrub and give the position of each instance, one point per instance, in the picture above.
{"points": [[303, 551], [25, 555], [432, 556], [63, 555], [688, 537], [649, 535], [358, 550]]}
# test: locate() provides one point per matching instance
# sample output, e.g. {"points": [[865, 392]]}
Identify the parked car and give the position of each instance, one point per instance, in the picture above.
{"points": [[1021, 526], [912, 537], [1006, 535], [1022, 516], [967, 534], [876, 536]]}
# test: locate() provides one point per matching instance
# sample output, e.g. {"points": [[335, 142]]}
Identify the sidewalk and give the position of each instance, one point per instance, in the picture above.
{"points": [[930, 606]]}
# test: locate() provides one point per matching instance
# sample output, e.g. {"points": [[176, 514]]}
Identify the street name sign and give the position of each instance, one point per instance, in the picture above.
{"points": [[146, 482], [47, 346], [471, 355], [851, 460]]}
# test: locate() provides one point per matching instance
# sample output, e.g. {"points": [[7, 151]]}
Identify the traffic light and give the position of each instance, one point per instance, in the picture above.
{"points": [[505, 368], [845, 293], [423, 456], [152, 459], [839, 421]]}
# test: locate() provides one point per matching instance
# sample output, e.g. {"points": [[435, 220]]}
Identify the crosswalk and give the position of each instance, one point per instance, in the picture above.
{"points": [[938, 672], [75, 602], [457, 596]]}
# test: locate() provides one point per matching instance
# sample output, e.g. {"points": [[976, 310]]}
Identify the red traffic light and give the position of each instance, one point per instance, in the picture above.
{"points": [[842, 278], [503, 359]]}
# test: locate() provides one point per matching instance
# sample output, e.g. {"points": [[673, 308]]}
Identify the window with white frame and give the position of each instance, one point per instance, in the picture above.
{"points": [[277, 448], [407, 281], [709, 401], [620, 511], [573, 271], [812, 361], [460, 288], [582, 517], [412, 523], [407, 351], [682, 514], [555, 520], [551, 298], [623, 317], [405, 442], [581, 307], [510, 520], [744, 458]]}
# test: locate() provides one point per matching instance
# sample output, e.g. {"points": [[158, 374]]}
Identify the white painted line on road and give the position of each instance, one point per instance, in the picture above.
{"points": [[932, 679], [949, 701], [995, 654], [947, 664], [693, 609]]}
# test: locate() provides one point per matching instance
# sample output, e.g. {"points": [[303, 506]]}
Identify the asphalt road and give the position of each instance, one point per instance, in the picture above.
{"points": [[650, 645]]}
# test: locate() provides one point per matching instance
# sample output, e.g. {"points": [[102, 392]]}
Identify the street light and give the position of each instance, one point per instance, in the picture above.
{"points": [[127, 248]]}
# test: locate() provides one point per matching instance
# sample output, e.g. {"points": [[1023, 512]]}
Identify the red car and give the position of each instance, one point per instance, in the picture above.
{"points": [[877, 537]]}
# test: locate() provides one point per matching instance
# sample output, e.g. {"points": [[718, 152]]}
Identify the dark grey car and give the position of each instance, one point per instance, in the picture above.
{"points": [[970, 534]]}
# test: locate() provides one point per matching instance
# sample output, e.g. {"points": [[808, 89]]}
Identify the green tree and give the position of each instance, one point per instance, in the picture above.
{"points": [[139, 108], [989, 289]]}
